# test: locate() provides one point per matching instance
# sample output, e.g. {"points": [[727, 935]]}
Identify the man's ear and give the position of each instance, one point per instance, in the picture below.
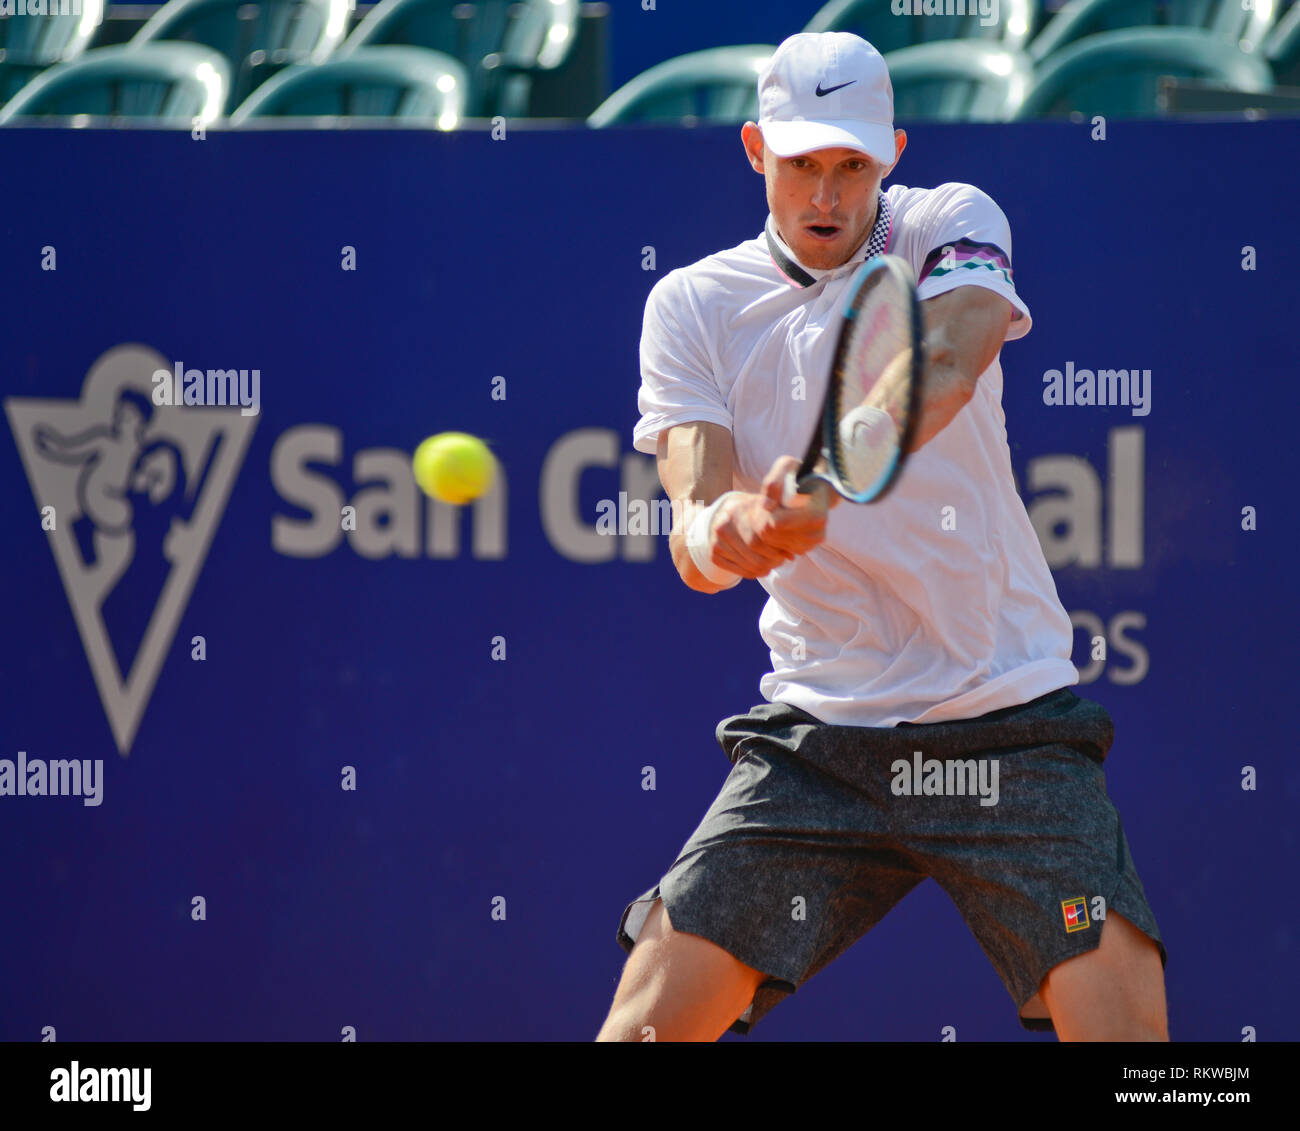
{"points": [[900, 143], [752, 139]]}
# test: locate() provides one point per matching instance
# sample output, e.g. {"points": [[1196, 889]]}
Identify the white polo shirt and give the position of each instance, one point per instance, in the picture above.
{"points": [[908, 611]]}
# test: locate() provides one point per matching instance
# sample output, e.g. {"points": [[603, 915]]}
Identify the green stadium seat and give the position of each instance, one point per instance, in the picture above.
{"points": [[411, 84], [501, 43], [1117, 73], [162, 84], [1282, 49], [715, 86], [257, 37], [1229, 19], [876, 22], [958, 81], [29, 44]]}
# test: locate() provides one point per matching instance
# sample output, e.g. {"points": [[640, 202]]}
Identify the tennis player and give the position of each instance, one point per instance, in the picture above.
{"points": [[920, 631]]}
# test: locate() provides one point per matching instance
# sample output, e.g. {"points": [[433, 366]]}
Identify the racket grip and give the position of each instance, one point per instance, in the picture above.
{"points": [[790, 491]]}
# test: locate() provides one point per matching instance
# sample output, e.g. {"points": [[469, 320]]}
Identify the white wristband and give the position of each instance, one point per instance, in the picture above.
{"points": [[698, 542]]}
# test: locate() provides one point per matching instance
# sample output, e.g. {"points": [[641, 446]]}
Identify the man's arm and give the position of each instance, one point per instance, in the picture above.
{"points": [[751, 534], [69, 449], [964, 329]]}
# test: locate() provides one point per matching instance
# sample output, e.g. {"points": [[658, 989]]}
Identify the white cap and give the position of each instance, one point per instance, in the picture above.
{"points": [[822, 90]]}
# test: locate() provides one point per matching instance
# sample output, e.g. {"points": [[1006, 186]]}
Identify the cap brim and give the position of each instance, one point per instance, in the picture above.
{"points": [[789, 139]]}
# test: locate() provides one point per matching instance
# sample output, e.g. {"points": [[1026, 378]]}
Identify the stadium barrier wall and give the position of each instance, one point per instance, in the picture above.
{"points": [[366, 762]]}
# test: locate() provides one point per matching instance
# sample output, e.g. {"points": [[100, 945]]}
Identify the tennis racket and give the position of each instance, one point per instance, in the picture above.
{"points": [[874, 394]]}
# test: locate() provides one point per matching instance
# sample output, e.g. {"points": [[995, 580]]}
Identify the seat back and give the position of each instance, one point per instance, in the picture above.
{"points": [[1282, 49], [168, 83], [1230, 19], [958, 82], [30, 44], [409, 83], [1118, 73], [717, 85], [257, 37], [503, 34]]}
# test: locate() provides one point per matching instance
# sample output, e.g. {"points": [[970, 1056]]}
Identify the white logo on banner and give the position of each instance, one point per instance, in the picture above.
{"points": [[137, 491]]}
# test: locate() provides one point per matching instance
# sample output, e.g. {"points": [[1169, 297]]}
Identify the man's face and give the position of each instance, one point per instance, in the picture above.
{"points": [[823, 202], [128, 419]]}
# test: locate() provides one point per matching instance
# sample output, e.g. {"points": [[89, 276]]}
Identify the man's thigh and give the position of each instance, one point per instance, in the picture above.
{"points": [[1039, 874], [1113, 993], [677, 987], [787, 869]]}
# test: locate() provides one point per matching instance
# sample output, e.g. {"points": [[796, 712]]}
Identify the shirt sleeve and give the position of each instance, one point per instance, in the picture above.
{"points": [[963, 239], [677, 382]]}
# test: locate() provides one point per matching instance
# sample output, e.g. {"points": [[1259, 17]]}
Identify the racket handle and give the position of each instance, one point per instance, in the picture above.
{"points": [[790, 491], [796, 492]]}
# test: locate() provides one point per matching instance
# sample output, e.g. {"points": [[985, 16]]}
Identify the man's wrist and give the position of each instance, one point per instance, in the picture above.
{"points": [[699, 543]]}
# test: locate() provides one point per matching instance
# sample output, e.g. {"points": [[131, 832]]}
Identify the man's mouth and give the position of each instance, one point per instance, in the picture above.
{"points": [[822, 231]]}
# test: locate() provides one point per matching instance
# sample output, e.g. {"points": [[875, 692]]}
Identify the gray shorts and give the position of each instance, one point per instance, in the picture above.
{"points": [[820, 830]]}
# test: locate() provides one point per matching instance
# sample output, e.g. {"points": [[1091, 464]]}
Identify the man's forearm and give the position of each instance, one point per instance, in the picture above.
{"points": [[945, 392], [964, 331]]}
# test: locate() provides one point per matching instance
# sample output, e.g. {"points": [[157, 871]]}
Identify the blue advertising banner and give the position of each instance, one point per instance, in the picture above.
{"points": [[314, 757]]}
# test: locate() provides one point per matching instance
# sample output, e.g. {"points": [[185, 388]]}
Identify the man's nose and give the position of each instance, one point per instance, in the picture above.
{"points": [[826, 195]]}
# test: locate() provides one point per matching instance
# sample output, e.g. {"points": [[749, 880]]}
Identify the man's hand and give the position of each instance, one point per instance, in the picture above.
{"points": [[754, 534], [750, 534], [819, 501]]}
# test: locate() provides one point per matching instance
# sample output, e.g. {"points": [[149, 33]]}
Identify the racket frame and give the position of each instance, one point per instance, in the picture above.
{"points": [[823, 443]]}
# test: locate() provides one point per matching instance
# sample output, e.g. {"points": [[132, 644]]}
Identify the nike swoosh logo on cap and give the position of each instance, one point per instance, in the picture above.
{"points": [[832, 89]]}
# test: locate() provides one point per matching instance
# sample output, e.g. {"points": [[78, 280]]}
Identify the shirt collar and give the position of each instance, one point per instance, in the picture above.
{"points": [[801, 276]]}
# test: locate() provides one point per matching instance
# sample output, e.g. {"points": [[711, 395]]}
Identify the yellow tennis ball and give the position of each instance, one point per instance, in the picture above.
{"points": [[454, 467]]}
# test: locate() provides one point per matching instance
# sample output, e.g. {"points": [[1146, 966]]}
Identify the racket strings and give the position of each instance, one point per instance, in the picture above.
{"points": [[874, 391]]}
